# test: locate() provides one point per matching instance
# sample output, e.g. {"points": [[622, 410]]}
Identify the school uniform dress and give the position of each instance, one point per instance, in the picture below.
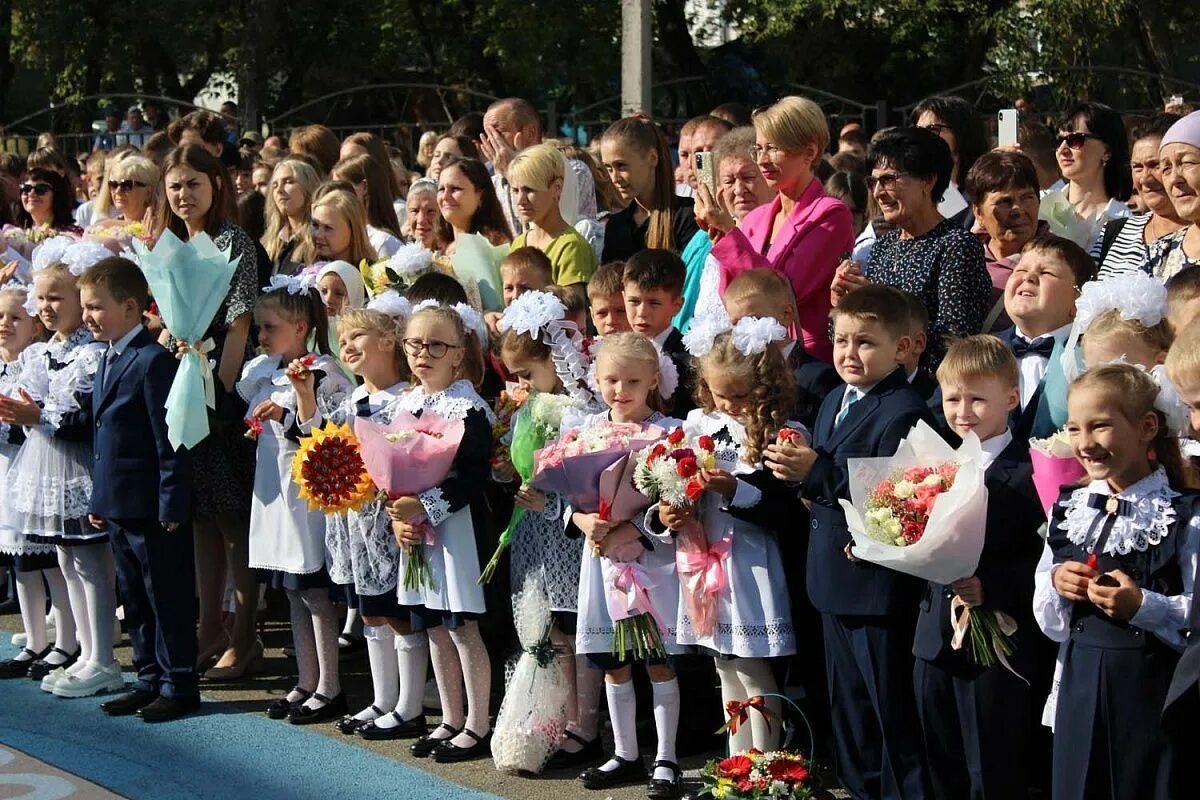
{"points": [[752, 610], [1108, 737], [360, 548], [542, 551], [867, 611], [49, 483], [24, 555], [973, 717], [1043, 387], [457, 509], [287, 541]]}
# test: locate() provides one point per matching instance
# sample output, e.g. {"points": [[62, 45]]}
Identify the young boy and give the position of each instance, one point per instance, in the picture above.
{"points": [[653, 287], [975, 718], [525, 269], [918, 320], [1183, 298], [764, 292], [867, 612], [1040, 300], [606, 299], [142, 494]]}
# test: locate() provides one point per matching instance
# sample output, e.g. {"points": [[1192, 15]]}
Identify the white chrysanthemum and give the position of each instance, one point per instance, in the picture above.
{"points": [[410, 260]]}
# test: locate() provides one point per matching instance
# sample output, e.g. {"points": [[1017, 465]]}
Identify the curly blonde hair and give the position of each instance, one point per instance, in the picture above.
{"points": [[771, 398]]}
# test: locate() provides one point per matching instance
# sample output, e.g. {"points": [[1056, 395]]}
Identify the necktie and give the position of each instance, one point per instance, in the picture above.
{"points": [[110, 357], [1022, 347], [851, 399]]}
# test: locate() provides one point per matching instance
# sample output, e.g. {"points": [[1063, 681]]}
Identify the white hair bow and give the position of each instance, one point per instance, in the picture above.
{"points": [[1136, 295], [392, 304], [470, 317], [51, 251], [753, 335], [700, 337], [538, 313], [293, 284]]}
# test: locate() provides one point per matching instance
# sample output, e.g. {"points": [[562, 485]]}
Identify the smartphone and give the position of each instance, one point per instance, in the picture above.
{"points": [[1007, 123], [705, 172]]}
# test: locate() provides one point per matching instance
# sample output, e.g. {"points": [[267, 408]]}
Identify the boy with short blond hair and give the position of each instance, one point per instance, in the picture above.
{"points": [[606, 299], [1183, 298]]}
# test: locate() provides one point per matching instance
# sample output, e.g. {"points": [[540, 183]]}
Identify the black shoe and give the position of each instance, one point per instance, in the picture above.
{"points": [[19, 667], [350, 724], [448, 753], [279, 709], [627, 774], [334, 707], [128, 704], [589, 752], [422, 747], [165, 709], [41, 668], [660, 789], [407, 729]]}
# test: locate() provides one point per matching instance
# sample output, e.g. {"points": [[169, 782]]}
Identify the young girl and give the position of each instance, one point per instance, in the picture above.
{"points": [[339, 225], [744, 388], [628, 376], [543, 353], [360, 548], [536, 178], [49, 483], [342, 288], [1114, 585], [35, 565], [1123, 318], [446, 359], [286, 539]]}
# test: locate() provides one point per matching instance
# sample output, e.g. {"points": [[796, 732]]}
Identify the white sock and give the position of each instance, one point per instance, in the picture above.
{"points": [[759, 680], [31, 593], [381, 653], [412, 651], [666, 724], [622, 712]]}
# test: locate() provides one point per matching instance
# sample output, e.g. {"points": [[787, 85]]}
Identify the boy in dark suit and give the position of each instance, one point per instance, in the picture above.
{"points": [[867, 612], [142, 494], [975, 718], [918, 377], [653, 283]]}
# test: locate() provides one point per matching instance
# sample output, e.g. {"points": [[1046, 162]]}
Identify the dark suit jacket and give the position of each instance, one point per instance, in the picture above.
{"points": [[1011, 550], [682, 401], [924, 384], [137, 474], [873, 427]]}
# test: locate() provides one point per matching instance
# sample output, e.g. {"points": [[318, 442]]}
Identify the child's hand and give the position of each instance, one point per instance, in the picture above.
{"points": [[618, 541], [20, 411], [301, 376], [97, 522], [849, 551], [404, 509], [969, 590], [181, 349], [791, 462], [9, 270], [594, 528], [1071, 580], [1121, 601], [531, 499], [406, 533], [674, 518], [268, 409], [492, 320], [719, 482]]}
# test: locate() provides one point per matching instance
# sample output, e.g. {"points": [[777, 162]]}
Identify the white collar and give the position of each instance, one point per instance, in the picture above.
{"points": [[863, 391], [912, 376], [994, 446], [454, 402], [1153, 514], [361, 392], [120, 344], [661, 338], [1059, 334]]}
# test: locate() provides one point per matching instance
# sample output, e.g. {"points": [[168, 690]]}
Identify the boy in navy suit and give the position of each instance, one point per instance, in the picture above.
{"points": [[918, 377], [142, 494], [975, 718], [867, 612], [653, 283]]}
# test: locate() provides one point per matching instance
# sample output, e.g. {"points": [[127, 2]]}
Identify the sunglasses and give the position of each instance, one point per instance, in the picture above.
{"points": [[125, 186], [1075, 141], [435, 348], [36, 188]]}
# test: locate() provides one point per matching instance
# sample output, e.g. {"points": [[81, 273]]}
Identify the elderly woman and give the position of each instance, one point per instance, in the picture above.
{"points": [[1004, 194], [924, 254], [1179, 165], [1126, 243], [802, 232]]}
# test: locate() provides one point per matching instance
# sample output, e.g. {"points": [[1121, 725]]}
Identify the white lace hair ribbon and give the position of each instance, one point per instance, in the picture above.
{"points": [[668, 378], [1136, 295], [392, 304], [753, 335], [14, 285], [700, 337], [531, 312], [470, 317], [1170, 403], [81, 256], [535, 313], [50, 252], [293, 284]]}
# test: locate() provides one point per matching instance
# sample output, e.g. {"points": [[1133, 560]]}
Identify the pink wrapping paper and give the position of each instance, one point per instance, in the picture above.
{"points": [[1051, 473], [412, 465]]}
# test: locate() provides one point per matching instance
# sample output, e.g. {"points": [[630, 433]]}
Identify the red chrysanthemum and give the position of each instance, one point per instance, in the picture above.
{"points": [[706, 443]]}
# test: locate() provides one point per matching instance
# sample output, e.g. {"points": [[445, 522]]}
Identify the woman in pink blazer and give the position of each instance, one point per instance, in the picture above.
{"points": [[802, 234]]}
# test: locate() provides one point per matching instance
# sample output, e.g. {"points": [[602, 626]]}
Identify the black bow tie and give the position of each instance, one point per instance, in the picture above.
{"points": [[1043, 347]]}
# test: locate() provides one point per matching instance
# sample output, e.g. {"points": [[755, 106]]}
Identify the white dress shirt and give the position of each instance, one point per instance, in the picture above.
{"points": [[1034, 367]]}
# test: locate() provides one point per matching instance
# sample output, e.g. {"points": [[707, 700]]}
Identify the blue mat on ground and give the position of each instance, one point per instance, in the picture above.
{"points": [[216, 754]]}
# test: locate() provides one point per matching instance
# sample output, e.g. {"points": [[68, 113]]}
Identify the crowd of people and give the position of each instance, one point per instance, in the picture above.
{"points": [[761, 275]]}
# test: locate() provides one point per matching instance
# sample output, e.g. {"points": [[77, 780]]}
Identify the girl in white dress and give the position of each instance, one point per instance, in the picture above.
{"points": [[287, 541], [744, 390], [360, 547], [444, 353]]}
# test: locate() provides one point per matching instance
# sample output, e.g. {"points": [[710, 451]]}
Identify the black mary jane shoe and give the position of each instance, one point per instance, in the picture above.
{"points": [[41, 668], [407, 729], [422, 747], [334, 708], [449, 753], [19, 667], [588, 752], [279, 709], [661, 789], [351, 724], [626, 774]]}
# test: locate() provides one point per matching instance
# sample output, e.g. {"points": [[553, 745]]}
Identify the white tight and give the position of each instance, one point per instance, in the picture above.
{"points": [[315, 636], [741, 679], [89, 572], [459, 658]]}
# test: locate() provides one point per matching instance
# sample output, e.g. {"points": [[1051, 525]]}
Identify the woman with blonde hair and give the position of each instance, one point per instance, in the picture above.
{"points": [[425, 145], [372, 182], [130, 189], [339, 225], [535, 178], [288, 236]]}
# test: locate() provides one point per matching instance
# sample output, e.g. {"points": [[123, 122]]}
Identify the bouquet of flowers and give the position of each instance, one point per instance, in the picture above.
{"points": [[537, 421], [509, 403], [753, 775], [23, 241], [933, 531], [403, 267], [1054, 466], [328, 467], [669, 470], [116, 236], [572, 465], [405, 457]]}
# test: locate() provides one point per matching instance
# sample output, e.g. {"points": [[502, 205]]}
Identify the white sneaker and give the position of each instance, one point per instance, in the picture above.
{"points": [[105, 679]]}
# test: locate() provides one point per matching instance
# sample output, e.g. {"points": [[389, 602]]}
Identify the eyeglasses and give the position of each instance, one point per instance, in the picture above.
{"points": [[886, 181], [773, 152], [1075, 140], [436, 349], [935, 128], [125, 186], [36, 188]]}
